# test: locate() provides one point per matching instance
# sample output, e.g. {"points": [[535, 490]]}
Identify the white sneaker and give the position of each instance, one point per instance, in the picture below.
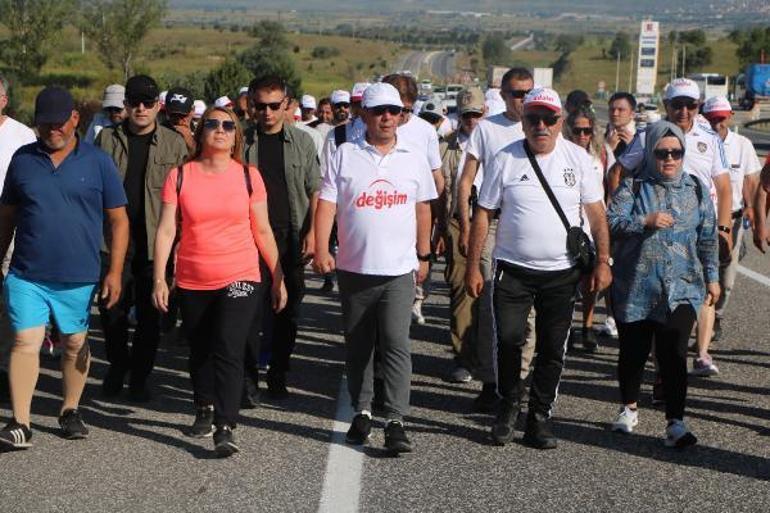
{"points": [[417, 313], [609, 328], [626, 420], [678, 436], [704, 367]]}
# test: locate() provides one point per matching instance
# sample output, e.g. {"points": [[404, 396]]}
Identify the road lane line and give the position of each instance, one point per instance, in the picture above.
{"points": [[342, 483], [761, 278]]}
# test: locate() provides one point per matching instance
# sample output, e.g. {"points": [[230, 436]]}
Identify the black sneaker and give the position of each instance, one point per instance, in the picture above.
{"points": [[203, 425], [112, 385], [250, 397], [396, 440], [504, 426], [658, 394], [378, 401], [538, 433], [572, 340], [72, 425], [487, 400], [276, 385], [16, 435], [5, 389], [360, 429], [224, 442], [328, 285], [589, 341], [716, 334]]}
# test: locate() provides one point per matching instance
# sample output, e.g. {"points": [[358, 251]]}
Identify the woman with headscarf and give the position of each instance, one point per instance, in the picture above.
{"points": [[666, 266]]}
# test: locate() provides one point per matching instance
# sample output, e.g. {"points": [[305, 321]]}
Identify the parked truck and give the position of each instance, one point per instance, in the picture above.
{"points": [[756, 85]]}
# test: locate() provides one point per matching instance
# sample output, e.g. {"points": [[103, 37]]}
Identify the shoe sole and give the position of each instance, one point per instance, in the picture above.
{"points": [[536, 444], [9, 444], [75, 436], [622, 428], [226, 450], [704, 373], [398, 447], [686, 440], [201, 435], [357, 441]]}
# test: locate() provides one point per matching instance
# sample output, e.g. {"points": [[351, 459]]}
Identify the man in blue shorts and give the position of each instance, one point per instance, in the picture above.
{"points": [[56, 196]]}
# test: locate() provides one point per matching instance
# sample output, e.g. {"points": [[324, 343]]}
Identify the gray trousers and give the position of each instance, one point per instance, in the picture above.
{"points": [[383, 304], [727, 272]]}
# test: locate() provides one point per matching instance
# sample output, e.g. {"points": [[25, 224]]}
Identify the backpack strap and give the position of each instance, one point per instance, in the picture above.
{"points": [[340, 136]]}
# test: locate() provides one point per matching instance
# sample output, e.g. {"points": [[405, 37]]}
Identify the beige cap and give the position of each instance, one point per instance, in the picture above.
{"points": [[470, 100]]}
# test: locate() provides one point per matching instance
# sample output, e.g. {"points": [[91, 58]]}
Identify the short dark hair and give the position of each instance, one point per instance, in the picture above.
{"points": [[269, 82], [520, 74], [622, 95], [324, 101], [577, 99], [405, 84]]}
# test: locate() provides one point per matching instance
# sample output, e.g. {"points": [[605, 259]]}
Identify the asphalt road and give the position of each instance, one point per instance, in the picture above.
{"points": [[137, 458], [437, 64]]}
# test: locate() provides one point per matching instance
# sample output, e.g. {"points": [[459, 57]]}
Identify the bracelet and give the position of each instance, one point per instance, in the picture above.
{"points": [[725, 229], [424, 258]]}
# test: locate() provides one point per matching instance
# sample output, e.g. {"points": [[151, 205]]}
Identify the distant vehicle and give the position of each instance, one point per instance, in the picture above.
{"points": [[450, 98], [424, 90], [646, 113], [756, 83], [711, 84], [406, 72]]}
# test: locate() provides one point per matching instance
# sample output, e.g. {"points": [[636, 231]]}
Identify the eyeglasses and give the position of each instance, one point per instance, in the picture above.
{"points": [[273, 106], [517, 93], [214, 124], [548, 119], [113, 110], [688, 104], [664, 154], [407, 110], [471, 115], [148, 104], [582, 131], [342, 105], [379, 110]]}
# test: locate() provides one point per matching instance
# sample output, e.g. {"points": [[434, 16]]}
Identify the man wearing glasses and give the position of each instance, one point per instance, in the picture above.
{"points": [[705, 159], [532, 264], [143, 151], [288, 162], [491, 135], [113, 111]]}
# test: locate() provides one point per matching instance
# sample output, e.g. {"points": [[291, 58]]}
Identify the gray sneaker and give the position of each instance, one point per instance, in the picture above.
{"points": [[460, 375]]}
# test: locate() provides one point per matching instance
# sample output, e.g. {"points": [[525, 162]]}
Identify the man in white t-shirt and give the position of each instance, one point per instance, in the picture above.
{"points": [[532, 263], [308, 106], [379, 189], [13, 135], [744, 179]]}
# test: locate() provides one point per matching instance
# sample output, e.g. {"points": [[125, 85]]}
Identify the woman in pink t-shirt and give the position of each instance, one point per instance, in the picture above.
{"points": [[220, 206]]}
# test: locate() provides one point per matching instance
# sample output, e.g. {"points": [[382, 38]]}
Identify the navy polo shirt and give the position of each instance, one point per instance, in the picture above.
{"points": [[60, 212]]}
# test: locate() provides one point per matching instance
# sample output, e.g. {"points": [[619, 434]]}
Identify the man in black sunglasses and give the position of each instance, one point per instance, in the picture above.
{"points": [[143, 151], [532, 264], [113, 111]]}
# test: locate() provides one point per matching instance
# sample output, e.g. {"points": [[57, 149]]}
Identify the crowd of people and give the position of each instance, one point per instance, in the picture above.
{"points": [[167, 208]]}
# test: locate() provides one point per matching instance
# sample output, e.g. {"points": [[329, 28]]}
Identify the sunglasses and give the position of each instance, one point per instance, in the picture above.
{"points": [[148, 104], [342, 105], [582, 131], [406, 110], [113, 110], [684, 104], [273, 106], [214, 124], [379, 110], [517, 93], [664, 154], [548, 119]]}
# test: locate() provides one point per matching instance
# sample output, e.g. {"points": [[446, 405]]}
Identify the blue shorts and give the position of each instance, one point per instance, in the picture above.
{"points": [[31, 304]]}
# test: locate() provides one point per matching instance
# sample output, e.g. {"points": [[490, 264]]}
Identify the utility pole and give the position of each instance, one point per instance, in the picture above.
{"points": [[617, 72], [673, 62], [631, 71], [684, 60], [82, 42]]}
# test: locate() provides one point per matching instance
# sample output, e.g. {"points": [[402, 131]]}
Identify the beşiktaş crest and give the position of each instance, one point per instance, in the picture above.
{"points": [[569, 177], [702, 147]]}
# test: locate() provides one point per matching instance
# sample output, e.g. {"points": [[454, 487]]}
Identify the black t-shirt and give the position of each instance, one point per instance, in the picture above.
{"points": [[271, 165], [134, 183]]}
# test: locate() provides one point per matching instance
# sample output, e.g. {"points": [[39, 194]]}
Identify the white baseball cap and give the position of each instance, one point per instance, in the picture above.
{"points": [[357, 93], [682, 87], [199, 107], [162, 97], [381, 94], [113, 96], [543, 97], [243, 90], [223, 102], [308, 102], [717, 106], [339, 96]]}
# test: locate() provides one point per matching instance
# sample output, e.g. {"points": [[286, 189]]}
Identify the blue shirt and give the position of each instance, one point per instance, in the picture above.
{"points": [[657, 270], [60, 212]]}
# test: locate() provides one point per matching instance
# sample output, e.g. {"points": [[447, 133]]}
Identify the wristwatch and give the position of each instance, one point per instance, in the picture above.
{"points": [[424, 258], [723, 228], [605, 260]]}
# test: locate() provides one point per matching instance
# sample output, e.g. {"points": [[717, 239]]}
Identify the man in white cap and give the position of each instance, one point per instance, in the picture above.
{"points": [[308, 106], [380, 189], [199, 107], [242, 105], [744, 179], [113, 111], [223, 102], [532, 263], [705, 159], [356, 97]]}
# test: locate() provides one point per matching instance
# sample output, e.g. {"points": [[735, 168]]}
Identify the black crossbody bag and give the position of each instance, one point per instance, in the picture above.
{"points": [[579, 245]]}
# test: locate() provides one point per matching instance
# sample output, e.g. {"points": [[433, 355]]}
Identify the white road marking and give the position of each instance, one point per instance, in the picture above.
{"points": [[342, 483], [761, 278]]}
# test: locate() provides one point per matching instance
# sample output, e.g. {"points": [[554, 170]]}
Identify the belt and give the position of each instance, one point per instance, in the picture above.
{"points": [[737, 214]]}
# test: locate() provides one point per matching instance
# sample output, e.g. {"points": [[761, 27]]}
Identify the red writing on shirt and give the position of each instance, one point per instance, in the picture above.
{"points": [[381, 199]]}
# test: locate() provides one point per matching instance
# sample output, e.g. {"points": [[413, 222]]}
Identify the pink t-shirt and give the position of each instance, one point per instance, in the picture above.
{"points": [[217, 245]]}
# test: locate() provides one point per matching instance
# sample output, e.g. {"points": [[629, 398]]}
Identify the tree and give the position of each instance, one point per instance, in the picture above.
{"points": [[699, 57], [621, 46], [695, 37], [751, 44], [227, 79], [119, 26], [568, 43], [495, 50], [33, 25], [270, 55]]}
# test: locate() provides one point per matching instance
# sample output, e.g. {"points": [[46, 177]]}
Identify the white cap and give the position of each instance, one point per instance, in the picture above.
{"points": [[297, 114], [339, 96], [494, 102], [113, 96], [223, 102], [308, 102], [543, 97], [682, 87], [199, 107], [243, 90], [162, 97], [417, 107], [717, 106], [357, 93], [381, 94]]}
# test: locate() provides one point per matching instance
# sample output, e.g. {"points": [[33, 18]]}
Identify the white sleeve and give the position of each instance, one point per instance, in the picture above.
{"points": [[591, 189], [329, 183], [610, 156], [328, 151], [491, 194], [426, 186], [634, 154], [434, 155], [719, 165], [475, 143], [749, 159]]}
